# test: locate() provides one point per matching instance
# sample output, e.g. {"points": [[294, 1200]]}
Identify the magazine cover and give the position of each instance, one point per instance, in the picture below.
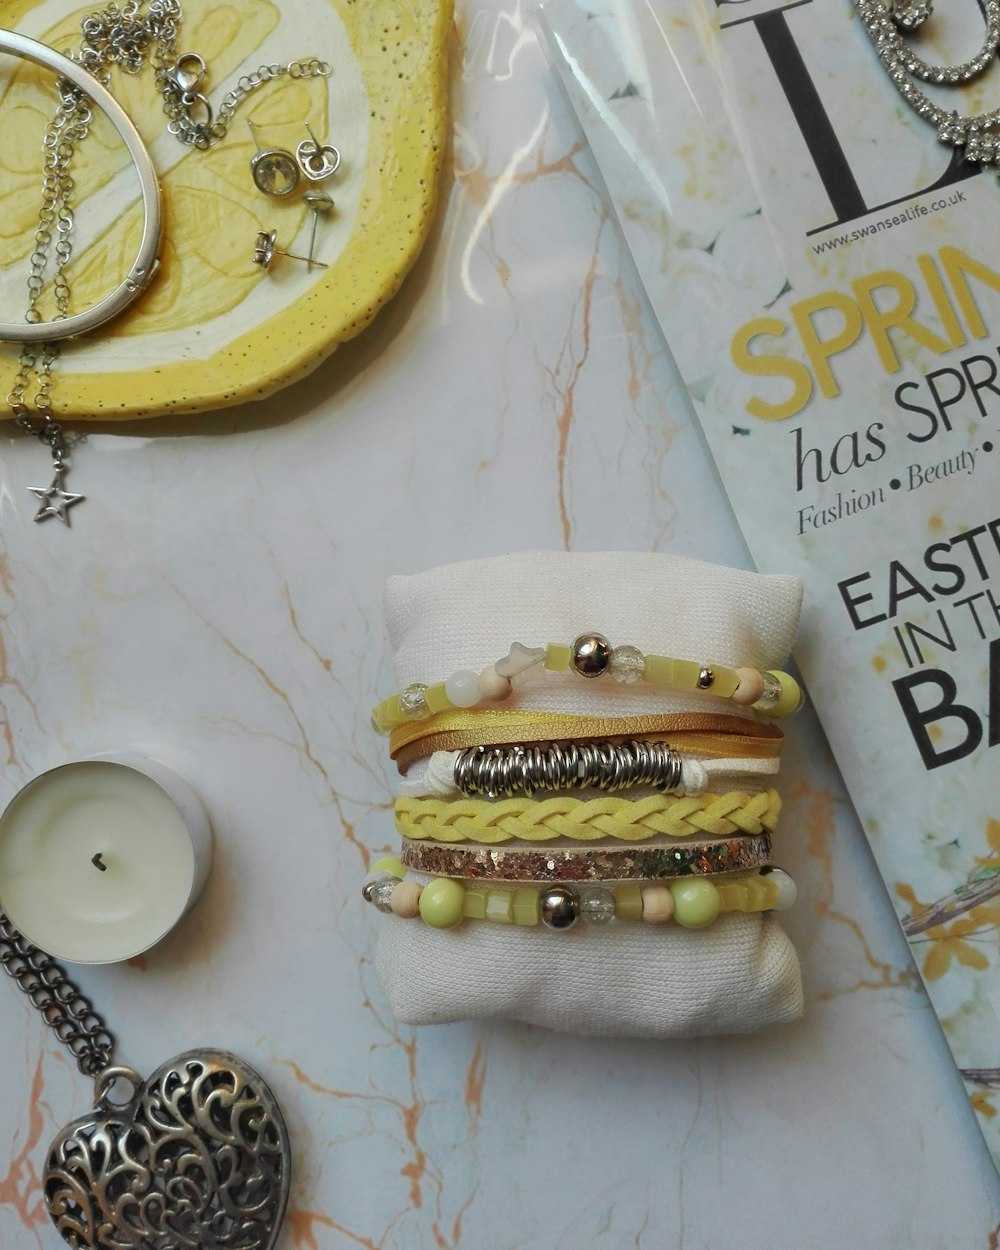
{"points": [[825, 264]]}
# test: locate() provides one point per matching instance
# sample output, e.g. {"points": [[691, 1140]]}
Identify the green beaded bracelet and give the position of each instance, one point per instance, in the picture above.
{"points": [[693, 903]]}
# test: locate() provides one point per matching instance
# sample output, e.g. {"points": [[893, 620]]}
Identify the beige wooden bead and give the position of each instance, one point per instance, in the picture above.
{"points": [[751, 686], [405, 900], [493, 687], [657, 904]]}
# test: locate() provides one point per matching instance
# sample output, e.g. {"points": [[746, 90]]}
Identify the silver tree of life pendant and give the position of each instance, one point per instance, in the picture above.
{"points": [[197, 1158]]}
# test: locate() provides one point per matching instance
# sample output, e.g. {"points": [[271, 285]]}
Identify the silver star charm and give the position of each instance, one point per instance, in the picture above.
{"points": [[55, 500]]}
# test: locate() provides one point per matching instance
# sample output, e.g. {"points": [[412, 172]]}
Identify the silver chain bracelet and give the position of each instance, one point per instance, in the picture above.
{"points": [[129, 36]]}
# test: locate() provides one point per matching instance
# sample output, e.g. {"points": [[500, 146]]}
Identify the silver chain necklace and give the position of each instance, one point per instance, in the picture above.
{"points": [[976, 135], [130, 36], [197, 1155]]}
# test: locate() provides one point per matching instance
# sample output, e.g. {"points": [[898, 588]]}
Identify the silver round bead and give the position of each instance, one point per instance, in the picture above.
{"points": [[591, 655], [560, 907], [706, 678]]}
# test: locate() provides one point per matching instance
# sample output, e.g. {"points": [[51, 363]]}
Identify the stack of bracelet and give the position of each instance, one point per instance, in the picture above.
{"points": [[491, 835]]}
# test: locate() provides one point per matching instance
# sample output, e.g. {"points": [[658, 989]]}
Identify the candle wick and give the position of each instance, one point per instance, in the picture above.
{"points": [[98, 863]]}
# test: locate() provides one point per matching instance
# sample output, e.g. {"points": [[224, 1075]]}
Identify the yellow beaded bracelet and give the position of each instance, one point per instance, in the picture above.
{"points": [[692, 903], [772, 693], [588, 820]]}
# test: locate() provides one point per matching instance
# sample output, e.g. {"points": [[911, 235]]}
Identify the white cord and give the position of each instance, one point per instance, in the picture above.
{"points": [[435, 777]]}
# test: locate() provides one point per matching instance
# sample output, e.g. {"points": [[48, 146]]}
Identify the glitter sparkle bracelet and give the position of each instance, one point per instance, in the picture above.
{"points": [[606, 863]]}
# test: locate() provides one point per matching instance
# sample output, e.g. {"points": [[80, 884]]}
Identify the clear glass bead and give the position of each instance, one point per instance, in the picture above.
{"points": [[412, 703], [771, 695], [381, 893], [626, 665], [597, 906]]}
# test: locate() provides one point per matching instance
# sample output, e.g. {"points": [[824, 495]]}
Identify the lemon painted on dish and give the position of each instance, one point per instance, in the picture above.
{"points": [[214, 329]]}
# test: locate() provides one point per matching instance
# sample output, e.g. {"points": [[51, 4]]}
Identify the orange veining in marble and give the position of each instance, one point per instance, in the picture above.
{"points": [[304, 745], [574, 361], [21, 1188], [817, 805], [475, 1082], [303, 1225]]}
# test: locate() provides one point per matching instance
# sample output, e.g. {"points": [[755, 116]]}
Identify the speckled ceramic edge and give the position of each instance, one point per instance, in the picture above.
{"points": [[406, 139]]}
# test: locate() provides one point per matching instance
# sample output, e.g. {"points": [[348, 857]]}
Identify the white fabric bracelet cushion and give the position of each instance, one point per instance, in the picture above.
{"points": [[625, 979]]}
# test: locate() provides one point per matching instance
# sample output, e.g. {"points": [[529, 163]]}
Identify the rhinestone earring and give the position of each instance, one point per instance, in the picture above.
{"points": [[319, 203], [274, 171], [910, 15], [264, 251], [318, 161]]}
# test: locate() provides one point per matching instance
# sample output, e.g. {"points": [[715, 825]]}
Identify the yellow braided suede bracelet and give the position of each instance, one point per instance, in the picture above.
{"points": [[588, 820]]}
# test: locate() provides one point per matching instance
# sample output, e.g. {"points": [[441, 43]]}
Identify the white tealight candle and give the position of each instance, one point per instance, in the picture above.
{"points": [[99, 859]]}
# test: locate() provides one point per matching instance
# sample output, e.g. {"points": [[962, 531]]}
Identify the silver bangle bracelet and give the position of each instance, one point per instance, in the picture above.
{"points": [[144, 266]]}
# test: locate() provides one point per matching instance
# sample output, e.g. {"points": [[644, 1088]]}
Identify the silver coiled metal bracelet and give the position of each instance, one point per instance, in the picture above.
{"points": [[506, 771]]}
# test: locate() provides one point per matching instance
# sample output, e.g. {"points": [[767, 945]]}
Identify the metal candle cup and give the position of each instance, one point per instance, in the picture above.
{"points": [[100, 858]]}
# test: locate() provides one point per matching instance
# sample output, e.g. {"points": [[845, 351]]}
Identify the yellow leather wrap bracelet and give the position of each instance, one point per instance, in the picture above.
{"points": [[711, 734]]}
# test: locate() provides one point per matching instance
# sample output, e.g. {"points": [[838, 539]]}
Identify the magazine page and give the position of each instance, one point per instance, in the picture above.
{"points": [[827, 274]]}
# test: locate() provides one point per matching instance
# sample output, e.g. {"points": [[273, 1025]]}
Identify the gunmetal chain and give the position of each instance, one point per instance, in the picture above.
{"points": [[66, 1011]]}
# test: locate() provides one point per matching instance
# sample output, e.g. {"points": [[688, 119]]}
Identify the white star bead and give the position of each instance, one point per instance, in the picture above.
{"points": [[519, 659]]}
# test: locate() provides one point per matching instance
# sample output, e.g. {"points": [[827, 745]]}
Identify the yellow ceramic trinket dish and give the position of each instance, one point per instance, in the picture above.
{"points": [[215, 329]]}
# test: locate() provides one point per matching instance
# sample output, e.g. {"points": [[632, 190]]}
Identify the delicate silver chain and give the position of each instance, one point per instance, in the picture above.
{"points": [[70, 1016], [974, 134], [191, 118], [129, 35], [70, 125], [502, 772]]}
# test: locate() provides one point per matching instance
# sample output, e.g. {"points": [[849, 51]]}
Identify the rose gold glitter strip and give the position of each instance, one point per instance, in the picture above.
{"points": [[618, 863]]}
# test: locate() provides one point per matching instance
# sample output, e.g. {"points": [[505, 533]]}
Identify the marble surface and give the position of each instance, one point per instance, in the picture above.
{"points": [[217, 603]]}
